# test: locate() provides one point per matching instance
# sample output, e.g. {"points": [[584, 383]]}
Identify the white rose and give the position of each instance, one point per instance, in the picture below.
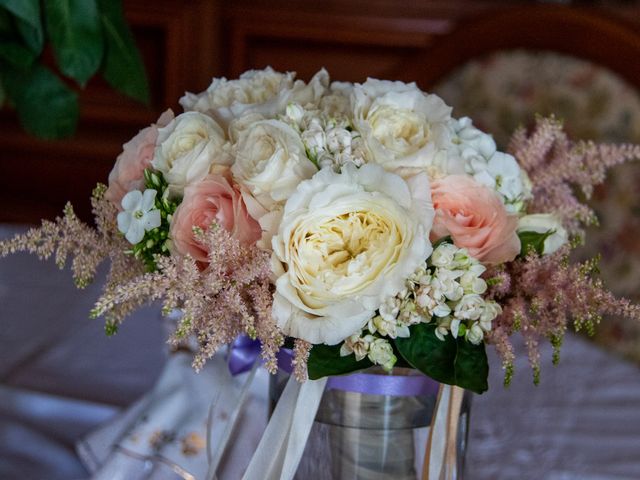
{"points": [[381, 353], [265, 92], [187, 148], [403, 128], [543, 223], [271, 161], [348, 241]]}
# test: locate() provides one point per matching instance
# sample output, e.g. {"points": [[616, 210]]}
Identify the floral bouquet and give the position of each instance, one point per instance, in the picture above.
{"points": [[352, 225]]}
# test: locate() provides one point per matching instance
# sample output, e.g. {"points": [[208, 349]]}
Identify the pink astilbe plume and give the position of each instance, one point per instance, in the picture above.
{"points": [[88, 247], [547, 293], [230, 297], [557, 167]]}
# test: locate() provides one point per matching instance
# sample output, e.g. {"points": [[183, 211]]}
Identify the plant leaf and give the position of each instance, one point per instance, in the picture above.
{"points": [[46, 107], [28, 21], [452, 361], [123, 67], [76, 36], [325, 360], [16, 55], [533, 240]]}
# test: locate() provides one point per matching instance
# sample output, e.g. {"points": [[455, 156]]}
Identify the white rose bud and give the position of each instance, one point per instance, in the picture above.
{"points": [[543, 223], [381, 353]]}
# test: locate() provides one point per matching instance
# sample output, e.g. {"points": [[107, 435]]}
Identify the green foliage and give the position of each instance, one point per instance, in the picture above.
{"points": [[453, 361], [123, 67], [46, 107], [325, 360], [74, 30], [533, 241], [87, 37]]}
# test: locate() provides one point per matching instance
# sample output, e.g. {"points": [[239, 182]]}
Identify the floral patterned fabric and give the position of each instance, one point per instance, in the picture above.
{"points": [[507, 89]]}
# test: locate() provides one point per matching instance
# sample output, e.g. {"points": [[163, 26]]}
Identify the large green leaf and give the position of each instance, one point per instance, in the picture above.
{"points": [[325, 360], [16, 55], [452, 361], [76, 36], [123, 67], [46, 107], [28, 21]]}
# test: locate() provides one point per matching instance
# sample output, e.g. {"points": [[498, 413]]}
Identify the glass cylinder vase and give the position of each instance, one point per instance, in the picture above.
{"points": [[365, 436]]}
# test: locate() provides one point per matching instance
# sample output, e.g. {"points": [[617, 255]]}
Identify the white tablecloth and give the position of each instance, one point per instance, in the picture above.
{"points": [[61, 377]]}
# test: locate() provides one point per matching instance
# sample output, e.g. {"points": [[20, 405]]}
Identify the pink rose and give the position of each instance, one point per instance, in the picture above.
{"points": [[137, 153], [214, 198], [475, 218]]}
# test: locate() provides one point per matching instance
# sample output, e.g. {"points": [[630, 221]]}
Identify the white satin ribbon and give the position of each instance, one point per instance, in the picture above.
{"points": [[281, 447], [440, 461]]}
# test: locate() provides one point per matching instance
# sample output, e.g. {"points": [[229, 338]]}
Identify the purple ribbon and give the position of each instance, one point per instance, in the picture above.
{"points": [[245, 351]]}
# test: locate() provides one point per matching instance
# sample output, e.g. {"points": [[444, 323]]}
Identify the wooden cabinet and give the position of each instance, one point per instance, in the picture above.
{"points": [[185, 44]]}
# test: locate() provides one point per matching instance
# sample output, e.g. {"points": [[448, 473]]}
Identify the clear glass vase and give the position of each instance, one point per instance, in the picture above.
{"points": [[371, 437]]}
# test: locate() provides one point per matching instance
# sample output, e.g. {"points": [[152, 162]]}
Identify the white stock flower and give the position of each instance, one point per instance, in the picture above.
{"points": [[187, 148], [443, 255], [446, 281], [403, 128], [265, 92], [471, 283], [490, 311], [474, 334], [543, 223], [469, 307], [381, 353], [347, 242], [139, 215], [271, 161], [357, 345]]}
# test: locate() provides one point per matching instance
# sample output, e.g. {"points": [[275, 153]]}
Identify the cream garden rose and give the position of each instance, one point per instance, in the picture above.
{"points": [[346, 242], [187, 148], [405, 130], [265, 92], [270, 161]]}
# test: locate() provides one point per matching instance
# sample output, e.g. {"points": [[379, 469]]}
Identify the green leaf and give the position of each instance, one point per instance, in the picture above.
{"points": [[16, 55], [76, 36], [533, 240], [325, 360], [46, 107], [27, 10], [452, 361], [28, 21], [123, 67]]}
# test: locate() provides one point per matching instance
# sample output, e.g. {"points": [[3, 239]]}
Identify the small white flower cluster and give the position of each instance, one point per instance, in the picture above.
{"points": [[378, 350], [497, 170], [330, 141], [447, 290], [450, 291]]}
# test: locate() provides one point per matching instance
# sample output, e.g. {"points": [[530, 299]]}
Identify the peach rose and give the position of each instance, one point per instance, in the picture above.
{"points": [[215, 198], [137, 153], [476, 219]]}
